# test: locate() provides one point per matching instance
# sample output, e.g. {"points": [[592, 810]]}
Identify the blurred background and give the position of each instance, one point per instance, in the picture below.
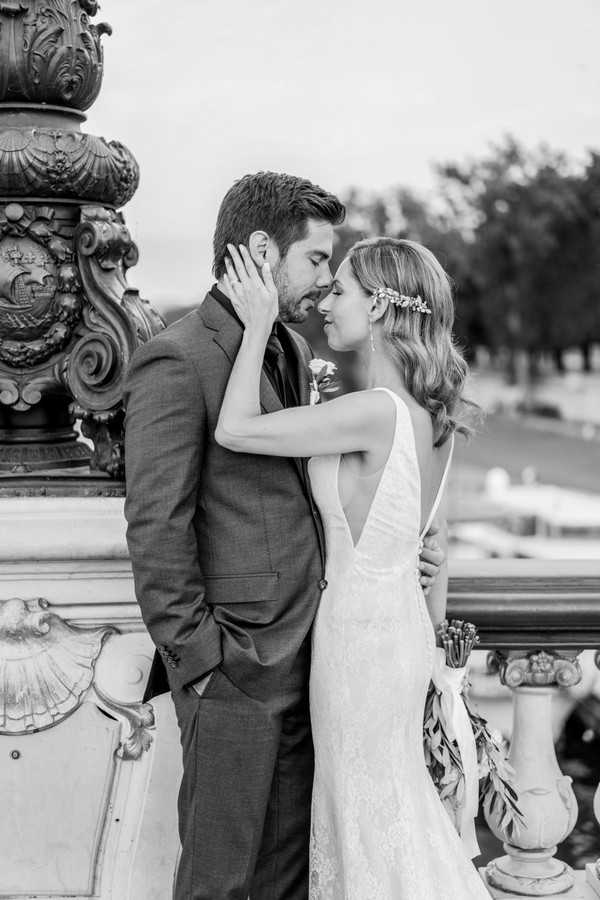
{"points": [[471, 127]]}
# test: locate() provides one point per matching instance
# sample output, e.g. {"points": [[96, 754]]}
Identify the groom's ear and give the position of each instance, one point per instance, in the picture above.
{"points": [[258, 245]]}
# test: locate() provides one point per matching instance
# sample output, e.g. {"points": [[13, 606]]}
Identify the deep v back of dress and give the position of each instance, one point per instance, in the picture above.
{"points": [[379, 830]]}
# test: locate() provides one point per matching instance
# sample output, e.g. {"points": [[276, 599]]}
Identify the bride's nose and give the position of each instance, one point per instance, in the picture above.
{"points": [[324, 305]]}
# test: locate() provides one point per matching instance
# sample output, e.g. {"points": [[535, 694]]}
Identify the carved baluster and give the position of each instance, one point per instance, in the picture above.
{"points": [[546, 797]]}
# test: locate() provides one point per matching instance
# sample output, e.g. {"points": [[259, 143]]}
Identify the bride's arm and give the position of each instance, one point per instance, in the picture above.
{"points": [[349, 423], [354, 422]]}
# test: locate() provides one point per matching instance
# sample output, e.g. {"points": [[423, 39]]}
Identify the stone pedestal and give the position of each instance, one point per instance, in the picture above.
{"points": [[89, 774]]}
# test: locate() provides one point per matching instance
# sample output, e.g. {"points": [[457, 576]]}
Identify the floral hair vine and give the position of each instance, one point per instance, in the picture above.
{"points": [[414, 304]]}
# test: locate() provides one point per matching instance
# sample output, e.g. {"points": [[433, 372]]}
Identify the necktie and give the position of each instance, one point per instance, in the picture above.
{"points": [[275, 359]]}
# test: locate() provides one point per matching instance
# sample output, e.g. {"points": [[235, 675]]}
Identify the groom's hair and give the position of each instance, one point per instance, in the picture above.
{"points": [[275, 203]]}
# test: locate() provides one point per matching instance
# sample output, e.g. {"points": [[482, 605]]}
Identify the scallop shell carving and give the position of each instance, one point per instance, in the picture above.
{"points": [[44, 162], [46, 665]]}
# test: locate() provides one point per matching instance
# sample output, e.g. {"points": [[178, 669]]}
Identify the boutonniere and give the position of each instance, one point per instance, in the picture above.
{"points": [[322, 379]]}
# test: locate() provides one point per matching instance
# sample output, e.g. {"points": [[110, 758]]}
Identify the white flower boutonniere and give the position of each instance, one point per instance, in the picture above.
{"points": [[322, 379]]}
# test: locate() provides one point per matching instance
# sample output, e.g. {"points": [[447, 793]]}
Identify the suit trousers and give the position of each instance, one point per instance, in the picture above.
{"points": [[244, 802]]}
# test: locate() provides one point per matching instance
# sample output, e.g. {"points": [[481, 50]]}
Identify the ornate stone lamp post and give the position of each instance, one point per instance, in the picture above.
{"points": [[68, 320], [87, 775]]}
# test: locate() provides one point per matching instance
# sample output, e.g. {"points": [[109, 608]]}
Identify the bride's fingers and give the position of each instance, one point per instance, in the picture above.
{"points": [[267, 276], [427, 569], [227, 282], [250, 266], [236, 301], [238, 262], [231, 272]]}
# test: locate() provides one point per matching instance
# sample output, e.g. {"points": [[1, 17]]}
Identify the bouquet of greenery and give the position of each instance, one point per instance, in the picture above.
{"points": [[442, 740]]}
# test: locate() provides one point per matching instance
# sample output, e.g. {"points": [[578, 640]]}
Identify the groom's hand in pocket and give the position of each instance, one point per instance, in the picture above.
{"points": [[431, 558]]}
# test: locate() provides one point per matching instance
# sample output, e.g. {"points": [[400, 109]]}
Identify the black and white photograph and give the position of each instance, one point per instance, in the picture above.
{"points": [[299, 450]]}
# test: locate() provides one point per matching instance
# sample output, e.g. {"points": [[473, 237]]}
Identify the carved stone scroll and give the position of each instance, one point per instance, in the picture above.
{"points": [[537, 668], [116, 320], [140, 718]]}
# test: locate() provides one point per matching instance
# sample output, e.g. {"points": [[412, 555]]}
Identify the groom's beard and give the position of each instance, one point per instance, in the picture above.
{"points": [[290, 307]]}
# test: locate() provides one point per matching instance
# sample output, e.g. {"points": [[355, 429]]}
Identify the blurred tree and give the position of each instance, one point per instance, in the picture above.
{"points": [[523, 206], [519, 233], [582, 250]]}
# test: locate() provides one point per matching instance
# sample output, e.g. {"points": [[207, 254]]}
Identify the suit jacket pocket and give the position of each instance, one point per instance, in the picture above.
{"points": [[251, 597]]}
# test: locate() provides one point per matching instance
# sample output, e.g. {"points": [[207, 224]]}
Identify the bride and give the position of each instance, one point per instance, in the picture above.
{"points": [[379, 461]]}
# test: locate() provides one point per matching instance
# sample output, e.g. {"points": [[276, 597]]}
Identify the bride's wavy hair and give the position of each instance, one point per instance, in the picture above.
{"points": [[423, 345]]}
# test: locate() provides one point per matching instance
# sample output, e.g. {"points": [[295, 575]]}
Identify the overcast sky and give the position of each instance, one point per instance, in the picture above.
{"points": [[344, 92]]}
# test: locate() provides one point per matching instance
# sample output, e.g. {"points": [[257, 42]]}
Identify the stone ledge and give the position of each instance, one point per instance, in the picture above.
{"points": [[62, 528]]}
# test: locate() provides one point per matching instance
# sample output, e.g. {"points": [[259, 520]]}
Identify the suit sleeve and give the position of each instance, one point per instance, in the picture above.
{"points": [[165, 429]]}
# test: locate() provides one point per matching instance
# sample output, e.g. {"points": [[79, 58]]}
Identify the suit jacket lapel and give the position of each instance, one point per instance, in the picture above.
{"points": [[302, 358], [228, 336]]}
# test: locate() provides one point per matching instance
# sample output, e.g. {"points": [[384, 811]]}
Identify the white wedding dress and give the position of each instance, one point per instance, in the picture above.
{"points": [[379, 830]]}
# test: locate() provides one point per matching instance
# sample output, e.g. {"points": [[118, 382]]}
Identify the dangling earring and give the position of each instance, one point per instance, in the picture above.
{"points": [[372, 339]]}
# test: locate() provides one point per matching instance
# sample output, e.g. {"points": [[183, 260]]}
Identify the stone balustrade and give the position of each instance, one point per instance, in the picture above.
{"points": [[535, 618]]}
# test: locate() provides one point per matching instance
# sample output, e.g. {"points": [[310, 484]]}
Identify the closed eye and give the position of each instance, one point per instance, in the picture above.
{"points": [[318, 259]]}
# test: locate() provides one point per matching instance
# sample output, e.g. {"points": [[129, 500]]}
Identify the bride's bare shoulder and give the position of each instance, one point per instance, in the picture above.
{"points": [[422, 428], [377, 403]]}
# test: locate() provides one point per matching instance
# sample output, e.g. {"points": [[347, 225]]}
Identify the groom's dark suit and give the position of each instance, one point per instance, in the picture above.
{"points": [[228, 559]]}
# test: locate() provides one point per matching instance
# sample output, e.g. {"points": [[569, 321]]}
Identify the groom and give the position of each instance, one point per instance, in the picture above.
{"points": [[228, 556]]}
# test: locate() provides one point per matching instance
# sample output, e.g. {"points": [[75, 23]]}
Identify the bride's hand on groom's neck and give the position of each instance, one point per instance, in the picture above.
{"points": [[253, 294]]}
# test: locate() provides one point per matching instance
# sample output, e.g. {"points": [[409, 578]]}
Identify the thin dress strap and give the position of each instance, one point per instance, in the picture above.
{"points": [[440, 492]]}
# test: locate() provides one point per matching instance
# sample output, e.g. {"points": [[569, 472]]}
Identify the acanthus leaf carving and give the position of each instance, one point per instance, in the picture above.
{"points": [[139, 717], [50, 52], [46, 665]]}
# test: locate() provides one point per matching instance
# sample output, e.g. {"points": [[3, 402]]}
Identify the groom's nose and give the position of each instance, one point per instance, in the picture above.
{"points": [[324, 277]]}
